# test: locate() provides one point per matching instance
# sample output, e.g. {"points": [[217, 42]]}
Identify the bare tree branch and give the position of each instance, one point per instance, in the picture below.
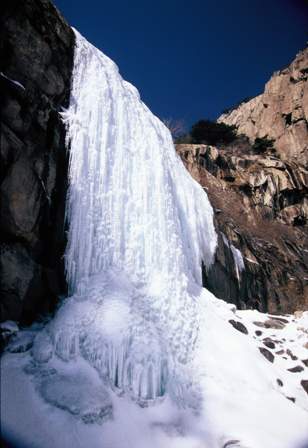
{"points": [[176, 127]]}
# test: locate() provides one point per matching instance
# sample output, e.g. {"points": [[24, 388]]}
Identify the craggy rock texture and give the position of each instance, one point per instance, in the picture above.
{"points": [[261, 200], [36, 57], [280, 113], [261, 210]]}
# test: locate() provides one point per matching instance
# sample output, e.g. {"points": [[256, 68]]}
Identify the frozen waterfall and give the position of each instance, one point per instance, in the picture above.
{"points": [[139, 229]]}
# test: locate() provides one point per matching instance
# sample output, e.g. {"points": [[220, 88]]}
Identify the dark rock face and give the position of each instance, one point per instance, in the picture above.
{"points": [[260, 205], [36, 59]]}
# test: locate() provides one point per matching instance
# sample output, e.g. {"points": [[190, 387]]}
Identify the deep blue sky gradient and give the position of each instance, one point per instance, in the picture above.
{"points": [[191, 59]]}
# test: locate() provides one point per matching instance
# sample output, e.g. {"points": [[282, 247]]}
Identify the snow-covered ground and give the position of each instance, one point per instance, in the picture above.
{"points": [[243, 395], [140, 355]]}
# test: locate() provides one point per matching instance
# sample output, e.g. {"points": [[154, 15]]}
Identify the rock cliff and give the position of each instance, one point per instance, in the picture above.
{"points": [[280, 113], [36, 56], [261, 211]]}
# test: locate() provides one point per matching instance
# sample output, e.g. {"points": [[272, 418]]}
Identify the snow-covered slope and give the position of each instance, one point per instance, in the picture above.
{"points": [[140, 354]]}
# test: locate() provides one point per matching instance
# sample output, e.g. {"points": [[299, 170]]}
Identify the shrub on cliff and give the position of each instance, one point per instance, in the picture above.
{"points": [[212, 133], [176, 127], [184, 138], [262, 145]]}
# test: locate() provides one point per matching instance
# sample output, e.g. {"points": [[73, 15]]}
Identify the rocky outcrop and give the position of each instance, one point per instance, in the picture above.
{"points": [[36, 57], [261, 211], [261, 200], [280, 113]]}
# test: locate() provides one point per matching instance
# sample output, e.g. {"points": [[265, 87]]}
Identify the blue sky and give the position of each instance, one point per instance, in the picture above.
{"points": [[191, 59]]}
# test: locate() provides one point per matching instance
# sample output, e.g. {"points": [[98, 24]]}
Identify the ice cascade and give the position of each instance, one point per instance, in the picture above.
{"points": [[139, 229]]}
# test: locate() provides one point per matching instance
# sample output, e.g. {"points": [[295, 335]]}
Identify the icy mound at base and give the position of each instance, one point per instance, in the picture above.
{"points": [[77, 394], [118, 330]]}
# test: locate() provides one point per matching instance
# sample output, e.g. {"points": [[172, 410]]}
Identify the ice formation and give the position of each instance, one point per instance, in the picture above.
{"points": [[238, 261], [239, 264], [139, 229], [13, 81]]}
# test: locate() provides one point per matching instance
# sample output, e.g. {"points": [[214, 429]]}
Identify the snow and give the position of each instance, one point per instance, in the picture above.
{"points": [[9, 326], [42, 350], [21, 341], [240, 398], [13, 81], [140, 354], [77, 394], [291, 339]]}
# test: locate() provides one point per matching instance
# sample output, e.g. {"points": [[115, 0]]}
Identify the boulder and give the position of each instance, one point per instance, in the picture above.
{"points": [[238, 326], [296, 369], [267, 354], [269, 343]]}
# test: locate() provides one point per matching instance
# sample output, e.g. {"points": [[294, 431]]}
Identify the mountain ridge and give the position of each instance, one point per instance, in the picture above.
{"points": [[280, 112]]}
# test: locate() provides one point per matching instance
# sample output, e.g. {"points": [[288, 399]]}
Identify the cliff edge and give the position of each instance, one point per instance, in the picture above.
{"points": [[280, 113]]}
